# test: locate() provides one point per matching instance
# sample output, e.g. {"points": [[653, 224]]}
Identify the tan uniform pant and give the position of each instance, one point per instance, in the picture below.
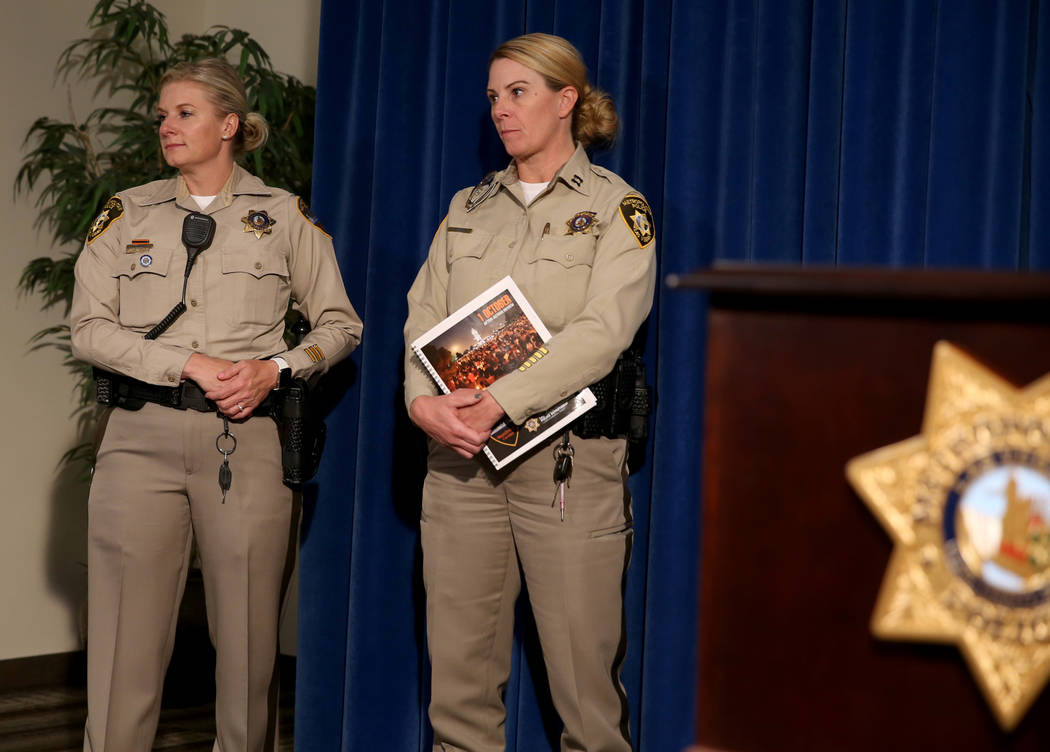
{"points": [[476, 530], [155, 488]]}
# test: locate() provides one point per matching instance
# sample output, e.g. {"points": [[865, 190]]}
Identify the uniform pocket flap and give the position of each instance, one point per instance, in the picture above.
{"points": [[463, 244], [569, 252], [135, 262], [256, 264]]}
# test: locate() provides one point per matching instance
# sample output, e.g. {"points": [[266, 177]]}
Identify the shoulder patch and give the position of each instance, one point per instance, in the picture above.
{"points": [[111, 212], [636, 214], [310, 217]]}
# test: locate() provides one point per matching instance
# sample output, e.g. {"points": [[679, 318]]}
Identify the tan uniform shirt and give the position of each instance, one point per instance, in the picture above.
{"points": [[582, 254], [130, 275]]}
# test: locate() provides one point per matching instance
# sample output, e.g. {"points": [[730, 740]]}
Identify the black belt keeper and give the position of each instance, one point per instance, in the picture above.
{"points": [[622, 406]]}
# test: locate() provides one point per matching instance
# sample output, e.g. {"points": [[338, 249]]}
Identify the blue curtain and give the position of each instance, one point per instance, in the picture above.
{"points": [[799, 131]]}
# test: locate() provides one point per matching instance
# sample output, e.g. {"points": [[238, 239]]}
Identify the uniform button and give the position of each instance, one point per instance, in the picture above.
{"points": [[171, 379], [258, 265], [195, 345], [193, 302], [132, 267], [569, 257], [510, 244]]}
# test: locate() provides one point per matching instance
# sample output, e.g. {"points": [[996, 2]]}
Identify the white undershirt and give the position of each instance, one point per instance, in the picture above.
{"points": [[532, 190]]}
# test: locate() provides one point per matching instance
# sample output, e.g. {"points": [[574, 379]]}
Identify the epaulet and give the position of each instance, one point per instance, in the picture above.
{"points": [[309, 216], [148, 194], [611, 177], [482, 191], [111, 212]]}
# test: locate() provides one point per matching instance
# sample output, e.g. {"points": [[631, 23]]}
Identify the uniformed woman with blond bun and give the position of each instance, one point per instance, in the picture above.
{"points": [[579, 243], [192, 397]]}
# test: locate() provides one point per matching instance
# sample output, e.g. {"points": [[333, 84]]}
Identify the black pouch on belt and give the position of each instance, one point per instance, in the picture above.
{"points": [[302, 432], [623, 403]]}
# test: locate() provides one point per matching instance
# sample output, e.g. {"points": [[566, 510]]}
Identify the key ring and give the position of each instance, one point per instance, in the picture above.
{"points": [[224, 435], [225, 474], [563, 450], [563, 456]]}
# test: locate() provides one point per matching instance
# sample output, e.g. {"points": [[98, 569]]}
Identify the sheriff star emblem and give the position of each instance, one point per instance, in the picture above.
{"points": [[967, 504], [581, 223], [638, 217], [258, 222]]}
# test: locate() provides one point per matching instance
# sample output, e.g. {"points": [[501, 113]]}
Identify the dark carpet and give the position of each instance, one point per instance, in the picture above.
{"points": [[52, 720]]}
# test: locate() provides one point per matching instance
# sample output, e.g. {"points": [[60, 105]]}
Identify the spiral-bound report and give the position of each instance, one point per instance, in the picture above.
{"points": [[496, 333]]}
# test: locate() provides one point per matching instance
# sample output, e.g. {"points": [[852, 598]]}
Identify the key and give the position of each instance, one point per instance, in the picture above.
{"points": [[562, 465], [563, 454], [225, 477], [225, 444]]}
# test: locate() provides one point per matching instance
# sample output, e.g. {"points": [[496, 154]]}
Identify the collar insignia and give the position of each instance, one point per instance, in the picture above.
{"points": [[482, 191], [582, 222], [258, 222]]}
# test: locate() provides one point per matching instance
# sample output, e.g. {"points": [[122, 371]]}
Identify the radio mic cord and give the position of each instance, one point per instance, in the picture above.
{"points": [[198, 230]]}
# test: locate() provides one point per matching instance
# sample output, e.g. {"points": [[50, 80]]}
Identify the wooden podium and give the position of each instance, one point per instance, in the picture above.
{"points": [[806, 369]]}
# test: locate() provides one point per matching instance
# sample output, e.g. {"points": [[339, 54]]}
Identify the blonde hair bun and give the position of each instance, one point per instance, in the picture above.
{"points": [[256, 130]]}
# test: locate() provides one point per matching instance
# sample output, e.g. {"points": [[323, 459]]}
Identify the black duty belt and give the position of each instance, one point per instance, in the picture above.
{"points": [[132, 394]]}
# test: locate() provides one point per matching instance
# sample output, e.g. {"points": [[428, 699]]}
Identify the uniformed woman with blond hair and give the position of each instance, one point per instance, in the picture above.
{"points": [[578, 241], [180, 300]]}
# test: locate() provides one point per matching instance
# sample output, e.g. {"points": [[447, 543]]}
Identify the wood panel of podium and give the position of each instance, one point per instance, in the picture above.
{"points": [[806, 369]]}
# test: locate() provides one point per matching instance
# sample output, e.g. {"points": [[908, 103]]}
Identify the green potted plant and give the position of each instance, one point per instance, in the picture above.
{"points": [[77, 165]]}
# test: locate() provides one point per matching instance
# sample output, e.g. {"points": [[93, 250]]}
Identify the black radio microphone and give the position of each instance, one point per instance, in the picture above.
{"points": [[198, 230]]}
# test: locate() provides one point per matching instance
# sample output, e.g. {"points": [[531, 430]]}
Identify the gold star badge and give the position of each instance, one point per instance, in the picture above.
{"points": [[582, 222], [967, 504], [258, 222]]}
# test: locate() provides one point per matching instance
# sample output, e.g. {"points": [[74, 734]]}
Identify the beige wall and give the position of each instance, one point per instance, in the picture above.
{"points": [[43, 512], [286, 30]]}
